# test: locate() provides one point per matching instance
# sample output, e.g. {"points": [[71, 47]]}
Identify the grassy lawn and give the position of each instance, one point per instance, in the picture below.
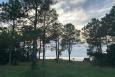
{"points": [[53, 69]]}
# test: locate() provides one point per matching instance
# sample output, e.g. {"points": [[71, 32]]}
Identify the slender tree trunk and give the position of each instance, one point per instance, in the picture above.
{"points": [[58, 49], [107, 42], [40, 49], [69, 51], [28, 53], [43, 51], [12, 47], [44, 39], [34, 53], [24, 47], [10, 56], [100, 48], [29, 58], [69, 55]]}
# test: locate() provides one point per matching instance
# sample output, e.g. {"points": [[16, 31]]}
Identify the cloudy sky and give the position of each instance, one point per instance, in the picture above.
{"points": [[79, 12]]}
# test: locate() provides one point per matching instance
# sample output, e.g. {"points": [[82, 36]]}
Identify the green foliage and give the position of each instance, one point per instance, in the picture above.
{"points": [[96, 33], [68, 37], [108, 23], [12, 10], [4, 45], [111, 55]]}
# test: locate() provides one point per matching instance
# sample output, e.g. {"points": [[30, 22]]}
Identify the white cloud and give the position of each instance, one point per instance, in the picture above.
{"points": [[76, 17], [78, 12]]}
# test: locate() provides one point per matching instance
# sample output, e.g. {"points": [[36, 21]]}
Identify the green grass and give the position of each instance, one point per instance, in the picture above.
{"points": [[53, 69]]}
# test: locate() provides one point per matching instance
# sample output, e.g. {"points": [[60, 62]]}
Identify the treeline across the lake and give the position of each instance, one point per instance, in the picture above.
{"points": [[27, 26], [99, 33]]}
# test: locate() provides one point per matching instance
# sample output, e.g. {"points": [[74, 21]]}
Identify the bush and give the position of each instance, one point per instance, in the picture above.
{"points": [[111, 55]]}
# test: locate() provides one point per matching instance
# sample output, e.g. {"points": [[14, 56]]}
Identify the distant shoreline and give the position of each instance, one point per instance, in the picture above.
{"points": [[66, 58]]}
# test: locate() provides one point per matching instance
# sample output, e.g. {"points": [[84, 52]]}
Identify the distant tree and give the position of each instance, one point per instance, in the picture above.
{"points": [[77, 35], [68, 37], [56, 33]]}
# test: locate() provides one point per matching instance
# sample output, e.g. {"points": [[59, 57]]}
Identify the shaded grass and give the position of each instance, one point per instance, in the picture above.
{"points": [[60, 69]]}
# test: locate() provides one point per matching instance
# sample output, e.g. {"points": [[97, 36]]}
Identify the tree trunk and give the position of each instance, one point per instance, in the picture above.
{"points": [[69, 55], [58, 49], [107, 42], [100, 48], [10, 56], [40, 49], [44, 39], [43, 51], [12, 48], [34, 53], [69, 51]]}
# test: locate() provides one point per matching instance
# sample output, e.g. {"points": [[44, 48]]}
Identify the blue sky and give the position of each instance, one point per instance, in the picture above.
{"points": [[3, 1]]}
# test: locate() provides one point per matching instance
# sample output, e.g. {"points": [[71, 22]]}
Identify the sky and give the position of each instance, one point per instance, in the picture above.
{"points": [[3, 1], [80, 12]]}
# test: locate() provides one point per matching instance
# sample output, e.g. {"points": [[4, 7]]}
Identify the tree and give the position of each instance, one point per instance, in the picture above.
{"points": [[108, 23], [93, 35], [27, 38], [69, 37], [96, 33], [110, 55], [5, 42], [45, 10], [11, 11], [41, 12], [4, 45], [56, 33], [30, 5]]}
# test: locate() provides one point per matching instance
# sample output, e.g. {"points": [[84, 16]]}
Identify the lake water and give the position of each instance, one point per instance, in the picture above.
{"points": [[79, 52]]}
